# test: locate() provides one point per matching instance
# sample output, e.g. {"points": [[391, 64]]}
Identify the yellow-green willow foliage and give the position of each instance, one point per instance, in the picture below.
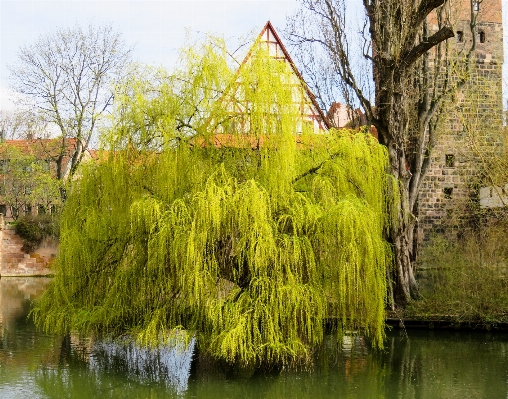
{"points": [[221, 223]]}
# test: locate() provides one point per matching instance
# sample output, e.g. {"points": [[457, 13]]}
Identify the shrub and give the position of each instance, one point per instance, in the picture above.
{"points": [[34, 229], [467, 279]]}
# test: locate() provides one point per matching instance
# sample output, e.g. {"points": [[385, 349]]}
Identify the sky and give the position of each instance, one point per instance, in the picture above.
{"points": [[156, 29]]}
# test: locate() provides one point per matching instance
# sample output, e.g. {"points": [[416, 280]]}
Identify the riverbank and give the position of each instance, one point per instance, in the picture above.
{"points": [[398, 320], [442, 322]]}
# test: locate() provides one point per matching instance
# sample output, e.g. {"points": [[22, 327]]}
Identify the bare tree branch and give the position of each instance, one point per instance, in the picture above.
{"points": [[423, 47], [68, 77], [412, 78]]}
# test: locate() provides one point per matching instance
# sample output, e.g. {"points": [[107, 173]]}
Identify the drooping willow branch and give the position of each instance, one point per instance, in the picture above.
{"points": [[218, 240]]}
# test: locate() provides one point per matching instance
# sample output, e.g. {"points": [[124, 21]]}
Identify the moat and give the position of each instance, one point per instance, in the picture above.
{"points": [[416, 364]]}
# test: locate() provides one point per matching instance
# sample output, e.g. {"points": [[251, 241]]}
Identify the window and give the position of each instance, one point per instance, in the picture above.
{"points": [[449, 160], [448, 192], [481, 36], [476, 6], [460, 36]]}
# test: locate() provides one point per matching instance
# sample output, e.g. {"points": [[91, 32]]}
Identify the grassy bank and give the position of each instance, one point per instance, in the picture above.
{"points": [[465, 280]]}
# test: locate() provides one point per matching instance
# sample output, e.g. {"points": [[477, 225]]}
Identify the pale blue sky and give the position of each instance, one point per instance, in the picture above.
{"points": [[156, 28]]}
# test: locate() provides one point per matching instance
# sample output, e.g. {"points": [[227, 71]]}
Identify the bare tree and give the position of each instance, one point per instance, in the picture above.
{"points": [[68, 76], [413, 71], [21, 124]]}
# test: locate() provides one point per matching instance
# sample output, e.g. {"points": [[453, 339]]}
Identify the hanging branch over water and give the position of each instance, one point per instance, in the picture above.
{"points": [[241, 247]]}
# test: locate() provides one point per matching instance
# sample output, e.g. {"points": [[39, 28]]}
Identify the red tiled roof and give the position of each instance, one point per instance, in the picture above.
{"points": [[40, 148]]}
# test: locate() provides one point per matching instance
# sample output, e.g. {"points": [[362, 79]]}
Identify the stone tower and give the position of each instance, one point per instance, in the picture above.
{"points": [[473, 120]]}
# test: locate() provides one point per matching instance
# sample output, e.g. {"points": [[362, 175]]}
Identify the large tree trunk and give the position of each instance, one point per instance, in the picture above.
{"points": [[402, 232], [403, 115], [403, 38], [402, 238]]}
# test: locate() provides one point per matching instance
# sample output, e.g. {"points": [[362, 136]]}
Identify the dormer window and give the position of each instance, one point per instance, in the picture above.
{"points": [[481, 36]]}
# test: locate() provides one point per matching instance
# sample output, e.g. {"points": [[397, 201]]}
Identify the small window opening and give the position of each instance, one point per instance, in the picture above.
{"points": [[476, 6], [448, 192], [481, 36], [460, 36], [449, 160]]}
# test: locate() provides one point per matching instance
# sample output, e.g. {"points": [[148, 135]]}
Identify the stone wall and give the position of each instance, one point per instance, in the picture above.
{"points": [[15, 262], [472, 126]]}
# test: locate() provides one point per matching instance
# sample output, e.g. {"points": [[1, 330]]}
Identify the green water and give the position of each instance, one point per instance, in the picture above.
{"points": [[423, 364]]}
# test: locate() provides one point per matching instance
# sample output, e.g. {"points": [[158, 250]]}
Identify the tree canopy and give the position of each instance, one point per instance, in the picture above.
{"points": [[26, 181], [222, 223]]}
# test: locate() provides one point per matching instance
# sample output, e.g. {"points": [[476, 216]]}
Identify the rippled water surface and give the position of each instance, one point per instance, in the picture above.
{"points": [[424, 364]]}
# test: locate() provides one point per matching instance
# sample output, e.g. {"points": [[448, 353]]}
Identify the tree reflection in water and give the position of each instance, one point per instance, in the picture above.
{"points": [[168, 364], [114, 369]]}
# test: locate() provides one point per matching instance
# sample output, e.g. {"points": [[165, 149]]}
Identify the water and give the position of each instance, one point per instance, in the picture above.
{"points": [[425, 364]]}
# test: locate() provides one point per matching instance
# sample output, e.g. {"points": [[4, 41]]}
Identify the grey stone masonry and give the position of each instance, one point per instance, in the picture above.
{"points": [[472, 123]]}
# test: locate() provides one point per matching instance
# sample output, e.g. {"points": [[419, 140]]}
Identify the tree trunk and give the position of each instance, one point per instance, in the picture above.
{"points": [[402, 238], [392, 88], [409, 90]]}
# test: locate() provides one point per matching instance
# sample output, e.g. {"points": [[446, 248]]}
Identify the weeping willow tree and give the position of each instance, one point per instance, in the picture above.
{"points": [[207, 215]]}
